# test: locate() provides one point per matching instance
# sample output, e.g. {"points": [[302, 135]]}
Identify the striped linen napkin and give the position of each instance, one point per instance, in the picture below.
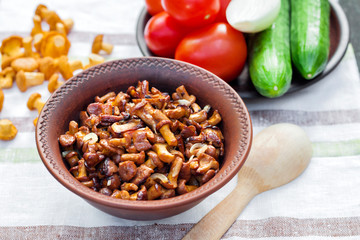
{"points": [[322, 203]]}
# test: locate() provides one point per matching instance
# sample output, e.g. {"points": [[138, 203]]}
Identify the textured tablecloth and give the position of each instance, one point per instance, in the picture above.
{"points": [[323, 203]]}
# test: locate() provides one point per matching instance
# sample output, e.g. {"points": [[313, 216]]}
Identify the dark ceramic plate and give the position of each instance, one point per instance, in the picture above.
{"points": [[339, 40]]}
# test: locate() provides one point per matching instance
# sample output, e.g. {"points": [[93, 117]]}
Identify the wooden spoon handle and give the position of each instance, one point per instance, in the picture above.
{"points": [[214, 224]]}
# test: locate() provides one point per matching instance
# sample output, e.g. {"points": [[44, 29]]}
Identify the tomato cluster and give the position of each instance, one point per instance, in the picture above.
{"points": [[196, 31]]}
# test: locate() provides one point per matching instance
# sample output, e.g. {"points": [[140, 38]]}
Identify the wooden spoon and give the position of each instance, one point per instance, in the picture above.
{"points": [[279, 154]]}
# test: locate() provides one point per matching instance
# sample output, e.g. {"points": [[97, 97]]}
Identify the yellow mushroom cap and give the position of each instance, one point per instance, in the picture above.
{"points": [[48, 66], [52, 18], [11, 46], [40, 9], [6, 71], [54, 45], [28, 64], [6, 77], [7, 130]]}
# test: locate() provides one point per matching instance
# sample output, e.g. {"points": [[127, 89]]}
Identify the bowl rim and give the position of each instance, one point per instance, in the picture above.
{"points": [[69, 182]]}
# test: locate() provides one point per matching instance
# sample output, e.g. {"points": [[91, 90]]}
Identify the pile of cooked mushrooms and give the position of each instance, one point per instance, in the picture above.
{"points": [[144, 144]]}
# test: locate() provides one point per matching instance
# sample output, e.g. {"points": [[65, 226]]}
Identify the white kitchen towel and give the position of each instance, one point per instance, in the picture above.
{"points": [[322, 203]]}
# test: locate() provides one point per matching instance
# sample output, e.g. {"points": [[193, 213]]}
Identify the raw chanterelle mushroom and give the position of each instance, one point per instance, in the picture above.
{"points": [[7, 130], [34, 102], [11, 48], [99, 45], [54, 45], [1, 99], [24, 80], [7, 77]]}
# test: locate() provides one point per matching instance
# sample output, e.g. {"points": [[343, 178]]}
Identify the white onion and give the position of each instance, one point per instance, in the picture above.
{"points": [[91, 137], [184, 102], [196, 146], [207, 108], [201, 150], [252, 16], [109, 182], [201, 146], [160, 176]]}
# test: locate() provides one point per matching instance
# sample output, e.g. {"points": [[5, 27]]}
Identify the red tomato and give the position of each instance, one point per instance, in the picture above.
{"points": [[153, 6], [162, 34], [218, 48], [192, 12], [221, 17]]}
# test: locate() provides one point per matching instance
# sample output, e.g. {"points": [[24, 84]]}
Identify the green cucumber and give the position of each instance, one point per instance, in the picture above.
{"points": [[309, 34], [269, 56]]}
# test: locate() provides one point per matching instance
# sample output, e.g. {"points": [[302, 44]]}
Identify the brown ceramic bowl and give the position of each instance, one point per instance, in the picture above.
{"points": [[166, 75]]}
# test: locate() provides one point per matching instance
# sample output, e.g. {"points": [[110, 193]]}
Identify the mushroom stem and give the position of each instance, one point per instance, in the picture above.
{"points": [[37, 41], [24, 80], [34, 78], [35, 121], [60, 27], [69, 23], [95, 59], [99, 45], [54, 83], [37, 25], [163, 153], [76, 65], [107, 47], [64, 68], [27, 45], [168, 135]]}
